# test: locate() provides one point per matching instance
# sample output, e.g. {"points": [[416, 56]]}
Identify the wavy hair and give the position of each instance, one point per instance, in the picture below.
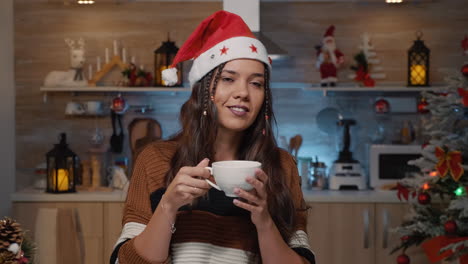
{"points": [[198, 117]]}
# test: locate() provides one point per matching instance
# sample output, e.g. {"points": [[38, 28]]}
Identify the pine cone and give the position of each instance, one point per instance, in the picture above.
{"points": [[10, 232], [6, 257]]}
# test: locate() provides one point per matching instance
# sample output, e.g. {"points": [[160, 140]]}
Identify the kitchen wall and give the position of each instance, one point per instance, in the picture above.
{"points": [[41, 26], [7, 107]]}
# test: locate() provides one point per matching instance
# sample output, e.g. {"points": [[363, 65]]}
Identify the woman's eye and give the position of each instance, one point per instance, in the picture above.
{"points": [[258, 84], [227, 79]]}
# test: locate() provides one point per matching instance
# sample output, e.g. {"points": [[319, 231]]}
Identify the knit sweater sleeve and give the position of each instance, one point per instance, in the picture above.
{"points": [[148, 175], [300, 240]]}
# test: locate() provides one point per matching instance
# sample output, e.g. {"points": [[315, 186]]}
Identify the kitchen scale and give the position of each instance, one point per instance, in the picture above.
{"points": [[346, 173]]}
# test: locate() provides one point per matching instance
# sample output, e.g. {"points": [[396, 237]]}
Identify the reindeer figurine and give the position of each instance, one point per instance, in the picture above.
{"points": [[74, 76]]}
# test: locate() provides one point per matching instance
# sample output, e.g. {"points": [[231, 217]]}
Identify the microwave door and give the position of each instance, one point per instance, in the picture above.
{"points": [[392, 167]]}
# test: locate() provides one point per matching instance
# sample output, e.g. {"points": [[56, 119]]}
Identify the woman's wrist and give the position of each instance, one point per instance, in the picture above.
{"points": [[168, 208], [265, 226]]}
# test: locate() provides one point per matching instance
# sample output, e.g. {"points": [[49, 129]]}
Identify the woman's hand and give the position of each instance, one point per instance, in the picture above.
{"points": [[255, 200], [188, 184]]}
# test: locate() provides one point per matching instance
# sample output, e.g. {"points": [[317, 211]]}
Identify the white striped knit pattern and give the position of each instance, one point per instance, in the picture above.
{"points": [[204, 253]]}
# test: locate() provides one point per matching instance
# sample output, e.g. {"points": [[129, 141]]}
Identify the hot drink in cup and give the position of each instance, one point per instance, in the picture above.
{"points": [[231, 174]]}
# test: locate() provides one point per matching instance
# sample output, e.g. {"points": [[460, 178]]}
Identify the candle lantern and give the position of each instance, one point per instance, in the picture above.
{"points": [[163, 57], [61, 168], [418, 63]]}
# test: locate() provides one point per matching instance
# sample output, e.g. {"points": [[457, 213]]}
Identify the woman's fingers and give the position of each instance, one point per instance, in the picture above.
{"points": [[250, 197]]}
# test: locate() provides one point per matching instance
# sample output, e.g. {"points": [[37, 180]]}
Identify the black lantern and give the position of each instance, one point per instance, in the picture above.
{"points": [[163, 57], [418, 63], [61, 168]]}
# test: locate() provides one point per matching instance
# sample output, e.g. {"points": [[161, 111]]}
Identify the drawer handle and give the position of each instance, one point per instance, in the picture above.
{"points": [[385, 223], [366, 228]]}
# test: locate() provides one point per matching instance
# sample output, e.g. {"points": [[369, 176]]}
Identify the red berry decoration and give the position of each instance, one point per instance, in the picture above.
{"points": [[464, 70], [404, 238], [424, 198], [403, 259], [381, 106], [422, 106], [450, 227]]}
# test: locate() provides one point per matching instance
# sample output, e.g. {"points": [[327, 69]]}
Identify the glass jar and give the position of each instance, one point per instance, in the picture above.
{"points": [[318, 176]]}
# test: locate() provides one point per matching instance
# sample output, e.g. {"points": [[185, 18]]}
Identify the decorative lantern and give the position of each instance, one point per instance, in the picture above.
{"points": [[163, 57], [418, 63], [61, 168]]}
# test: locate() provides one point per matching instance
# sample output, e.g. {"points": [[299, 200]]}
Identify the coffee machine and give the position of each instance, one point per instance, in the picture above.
{"points": [[346, 173]]}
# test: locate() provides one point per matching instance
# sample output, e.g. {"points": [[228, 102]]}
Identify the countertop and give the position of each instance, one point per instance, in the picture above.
{"points": [[318, 196]]}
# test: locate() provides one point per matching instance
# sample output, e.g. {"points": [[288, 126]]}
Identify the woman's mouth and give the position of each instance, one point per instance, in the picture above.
{"points": [[238, 110]]}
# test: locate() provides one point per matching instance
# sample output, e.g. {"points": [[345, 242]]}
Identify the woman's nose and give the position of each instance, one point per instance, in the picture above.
{"points": [[241, 90]]}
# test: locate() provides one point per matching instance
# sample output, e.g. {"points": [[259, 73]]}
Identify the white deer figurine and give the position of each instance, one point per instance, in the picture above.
{"points": [[74, 76]]}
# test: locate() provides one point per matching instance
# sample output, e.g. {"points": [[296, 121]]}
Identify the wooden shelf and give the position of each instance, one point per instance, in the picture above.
{"points": [[114, 89], [342, 88]]}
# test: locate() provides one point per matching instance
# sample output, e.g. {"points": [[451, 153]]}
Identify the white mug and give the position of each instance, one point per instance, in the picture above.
{"points": [[93, 107], [230, 174], [74, 108]]}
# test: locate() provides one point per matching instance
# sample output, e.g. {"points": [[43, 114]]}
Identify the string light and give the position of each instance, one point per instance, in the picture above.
{"points": [[85, 2], [426, 186], [460, 191], [433, 173], [394, 1]]}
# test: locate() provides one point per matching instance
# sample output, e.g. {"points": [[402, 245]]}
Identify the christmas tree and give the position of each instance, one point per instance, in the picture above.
{"points": [[438, 219], [366, 69]]}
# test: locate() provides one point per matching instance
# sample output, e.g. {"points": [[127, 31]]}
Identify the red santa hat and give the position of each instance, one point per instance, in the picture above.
{"points": [[329, 33], [219, 38]]}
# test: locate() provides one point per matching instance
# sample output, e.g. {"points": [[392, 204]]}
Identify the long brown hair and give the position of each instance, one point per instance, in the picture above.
{"points": [[198, 134]]}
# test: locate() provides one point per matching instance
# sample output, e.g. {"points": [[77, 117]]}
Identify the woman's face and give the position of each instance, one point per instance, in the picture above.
{"points": [[239, 94]]}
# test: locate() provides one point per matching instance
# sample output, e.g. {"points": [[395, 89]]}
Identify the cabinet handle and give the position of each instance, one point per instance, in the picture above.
{"points": [[385, 222], [366, 228]]}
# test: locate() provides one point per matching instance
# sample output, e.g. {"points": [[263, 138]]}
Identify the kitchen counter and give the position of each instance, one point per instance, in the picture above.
{"points": [[35, 195], [324, 196]]}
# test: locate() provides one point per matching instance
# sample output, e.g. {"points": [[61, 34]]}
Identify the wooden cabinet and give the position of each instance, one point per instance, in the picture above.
{"points": [[100, 224], [113, 213], [357, 233]]}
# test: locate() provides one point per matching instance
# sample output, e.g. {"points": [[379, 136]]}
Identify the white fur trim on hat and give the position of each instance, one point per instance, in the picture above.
{"points": [[234, 48], [169, 76]]}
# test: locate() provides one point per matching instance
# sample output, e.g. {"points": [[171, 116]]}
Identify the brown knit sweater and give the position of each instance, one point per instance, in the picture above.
{"points": [[227, 235]]}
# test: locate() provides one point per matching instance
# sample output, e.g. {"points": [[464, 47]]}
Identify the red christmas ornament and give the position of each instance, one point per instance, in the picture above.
{"points": [[464, 70], [118, 104], [422, 106], [424, 198], [450, 227], [381, 106], [464, 95], [403, 259]]}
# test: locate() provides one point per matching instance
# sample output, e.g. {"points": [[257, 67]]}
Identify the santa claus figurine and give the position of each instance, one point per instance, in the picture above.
{"points": [[329, 59]]}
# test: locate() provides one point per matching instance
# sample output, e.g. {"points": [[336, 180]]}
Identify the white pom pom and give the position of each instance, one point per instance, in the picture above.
{"points": [[169, 76], [14, 248]]}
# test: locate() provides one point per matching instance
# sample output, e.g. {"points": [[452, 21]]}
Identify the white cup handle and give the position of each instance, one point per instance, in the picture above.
{"points": [[210, 182]]}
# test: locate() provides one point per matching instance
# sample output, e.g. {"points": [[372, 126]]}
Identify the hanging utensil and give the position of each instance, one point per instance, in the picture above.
{"points": [[298, 140]]}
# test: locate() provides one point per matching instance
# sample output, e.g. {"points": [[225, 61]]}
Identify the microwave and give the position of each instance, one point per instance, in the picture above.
{"points": [[389, 163]]}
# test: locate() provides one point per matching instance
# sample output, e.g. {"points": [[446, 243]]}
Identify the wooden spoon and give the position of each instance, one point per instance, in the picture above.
{"points": [[298, 144]]}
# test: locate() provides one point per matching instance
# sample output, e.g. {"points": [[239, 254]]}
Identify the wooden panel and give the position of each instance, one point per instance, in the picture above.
{"points": [[389, 216], [349, 239], [90, 217], [113, 214], [318, 226]]}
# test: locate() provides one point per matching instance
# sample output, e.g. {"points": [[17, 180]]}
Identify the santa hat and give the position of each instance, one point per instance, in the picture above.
{"points": [[219, 38], [329, 33]]}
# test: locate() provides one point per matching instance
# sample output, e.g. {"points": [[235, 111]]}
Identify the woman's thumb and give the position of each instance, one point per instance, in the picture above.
{"points": [[204, 162]]}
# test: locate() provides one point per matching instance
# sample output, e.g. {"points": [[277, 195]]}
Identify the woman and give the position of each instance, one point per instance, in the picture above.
{"points": [[171, 213]]}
